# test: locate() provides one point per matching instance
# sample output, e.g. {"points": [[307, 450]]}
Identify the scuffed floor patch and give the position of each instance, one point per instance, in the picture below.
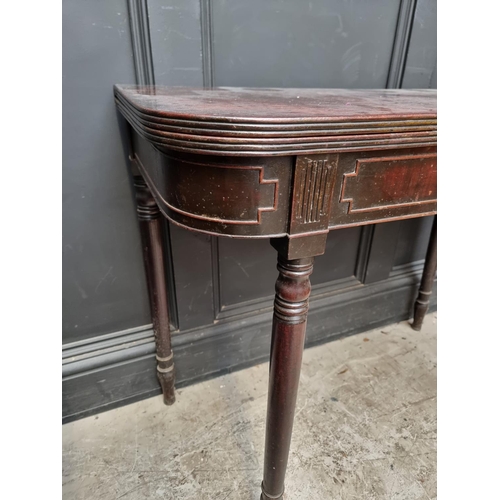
{"points": [[365, 428]]}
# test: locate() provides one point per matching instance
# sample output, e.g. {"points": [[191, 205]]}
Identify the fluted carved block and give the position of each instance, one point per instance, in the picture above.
{"points": [[312, 192]]}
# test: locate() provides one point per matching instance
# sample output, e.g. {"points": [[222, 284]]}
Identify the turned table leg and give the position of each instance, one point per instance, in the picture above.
{"points": [[425, 291], [152, 247], [289, 327]]}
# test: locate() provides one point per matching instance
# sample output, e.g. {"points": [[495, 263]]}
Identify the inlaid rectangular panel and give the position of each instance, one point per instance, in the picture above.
{"points": [[231, 194], [381, 183], [381, 186]]}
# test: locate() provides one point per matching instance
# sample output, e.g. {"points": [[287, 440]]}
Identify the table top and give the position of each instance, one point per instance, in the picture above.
{"points": [[280, 105], [258, 121]]}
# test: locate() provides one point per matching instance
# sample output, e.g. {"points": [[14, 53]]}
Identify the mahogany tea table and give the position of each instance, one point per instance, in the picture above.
{"points": [[284, 164]]}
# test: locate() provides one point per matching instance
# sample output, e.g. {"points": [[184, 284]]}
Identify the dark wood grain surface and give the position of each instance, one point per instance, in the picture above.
{"points": [[252, 122], [277, 105], [256, 163]]}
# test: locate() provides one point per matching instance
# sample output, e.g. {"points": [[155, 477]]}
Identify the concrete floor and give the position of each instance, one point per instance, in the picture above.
{"points": [[365, 428]]}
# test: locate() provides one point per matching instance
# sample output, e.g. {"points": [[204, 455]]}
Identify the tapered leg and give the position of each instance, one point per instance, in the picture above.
{"points": [[152, 246], [425, 291], [289, 327]]}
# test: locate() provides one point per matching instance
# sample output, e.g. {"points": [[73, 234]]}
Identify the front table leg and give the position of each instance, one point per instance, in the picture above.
{"points": [[152, 247], [425, 291], [287, 344]]}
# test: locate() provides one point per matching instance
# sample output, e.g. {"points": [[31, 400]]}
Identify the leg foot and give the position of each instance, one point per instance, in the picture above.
{"points": [[267, 496], [167, 381], [420, 310], [424, 294]]}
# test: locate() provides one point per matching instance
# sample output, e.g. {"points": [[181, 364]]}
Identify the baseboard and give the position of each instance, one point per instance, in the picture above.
{"points": [[117, 369]]}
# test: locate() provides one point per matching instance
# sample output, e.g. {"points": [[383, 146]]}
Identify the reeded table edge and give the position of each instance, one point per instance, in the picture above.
{"points": [[194, 135]]}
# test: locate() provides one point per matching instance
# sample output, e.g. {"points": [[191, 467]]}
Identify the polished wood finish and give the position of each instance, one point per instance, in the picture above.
{"points": [[373, 163], [243, 197], [266, 122], [425, 291], [289, 165], [151, 234], [288, 196], [291, 304]]}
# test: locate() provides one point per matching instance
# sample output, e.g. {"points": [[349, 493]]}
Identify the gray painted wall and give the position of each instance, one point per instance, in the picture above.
{"points": [[320, 43], [107, 340], [420, 69], [175, 28], [104, 288]]}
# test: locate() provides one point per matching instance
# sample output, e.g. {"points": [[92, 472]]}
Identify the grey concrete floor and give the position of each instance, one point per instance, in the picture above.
{"points": [[365, 428]]}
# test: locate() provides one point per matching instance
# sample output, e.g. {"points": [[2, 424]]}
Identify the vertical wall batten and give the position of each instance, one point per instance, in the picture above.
{"points": [[208, 82], [141, 42], [144, 70], [401, 44], [207, 43]]}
